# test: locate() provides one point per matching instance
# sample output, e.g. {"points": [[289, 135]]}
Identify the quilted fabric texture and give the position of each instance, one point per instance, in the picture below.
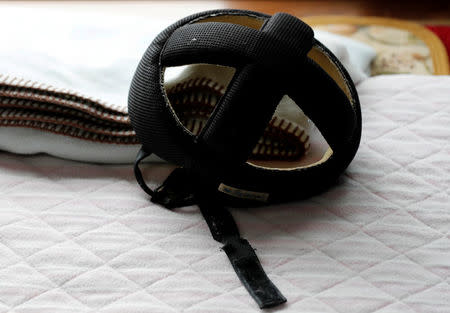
{"points": [[84, 238]]}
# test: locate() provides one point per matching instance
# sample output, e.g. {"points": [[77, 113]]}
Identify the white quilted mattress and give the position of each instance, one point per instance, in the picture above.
{"points": [[79, 237]]}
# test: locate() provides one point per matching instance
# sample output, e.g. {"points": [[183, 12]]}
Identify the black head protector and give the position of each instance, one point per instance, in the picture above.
{"points": [[267, 58]]}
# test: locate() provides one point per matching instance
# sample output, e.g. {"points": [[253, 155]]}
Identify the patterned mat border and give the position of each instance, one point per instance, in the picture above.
{"points": [[437, 49]]}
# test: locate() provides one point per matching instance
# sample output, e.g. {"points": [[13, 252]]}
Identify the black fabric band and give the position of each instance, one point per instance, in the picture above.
{"points": [[182, 188], [240, 253], [240, 117], [249, 270], [282, 38], [175, 192], [142, 154]]}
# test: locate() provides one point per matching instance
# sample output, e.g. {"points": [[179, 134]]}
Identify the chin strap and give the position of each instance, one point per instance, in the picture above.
{"points": [[142, 154], [240, 253], [182, 188]]}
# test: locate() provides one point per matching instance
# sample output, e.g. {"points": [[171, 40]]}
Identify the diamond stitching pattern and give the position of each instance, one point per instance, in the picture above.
{"points": [[83, 238]]}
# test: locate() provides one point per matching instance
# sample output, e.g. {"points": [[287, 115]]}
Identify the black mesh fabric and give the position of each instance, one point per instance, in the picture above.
{"points": [[211, 42], [241, 116], [283, 38]]}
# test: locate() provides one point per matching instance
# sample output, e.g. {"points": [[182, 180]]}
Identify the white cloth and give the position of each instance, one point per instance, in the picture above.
{"points": [[354, 55], [31, 141]]}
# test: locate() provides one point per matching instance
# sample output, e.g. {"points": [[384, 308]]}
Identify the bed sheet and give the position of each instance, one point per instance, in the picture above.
{"points": [[80, 237]]}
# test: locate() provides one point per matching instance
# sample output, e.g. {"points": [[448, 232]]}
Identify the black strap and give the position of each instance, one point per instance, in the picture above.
{"points": [[142, 154], [179, 190], [283, 38], [240, 117], [240, 253], [176, 190], [215, 43], [325, 103]]}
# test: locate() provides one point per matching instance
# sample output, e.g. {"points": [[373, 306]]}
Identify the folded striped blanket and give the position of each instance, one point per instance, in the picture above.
{"points": [[24, 103], [30, 105]]}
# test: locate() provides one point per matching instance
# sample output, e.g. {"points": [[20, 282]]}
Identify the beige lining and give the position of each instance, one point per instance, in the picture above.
{"points": [[244, 20], [318, 56]]}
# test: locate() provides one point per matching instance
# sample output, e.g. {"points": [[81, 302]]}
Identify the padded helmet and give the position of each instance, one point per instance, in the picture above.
{"points": [[281, 120]]}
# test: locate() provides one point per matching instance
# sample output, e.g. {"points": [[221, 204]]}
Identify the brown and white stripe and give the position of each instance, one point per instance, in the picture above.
{"points": [[32, 105]]}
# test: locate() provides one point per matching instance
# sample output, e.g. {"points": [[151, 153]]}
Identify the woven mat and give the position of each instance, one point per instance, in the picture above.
{"points": [[402, 47]]}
